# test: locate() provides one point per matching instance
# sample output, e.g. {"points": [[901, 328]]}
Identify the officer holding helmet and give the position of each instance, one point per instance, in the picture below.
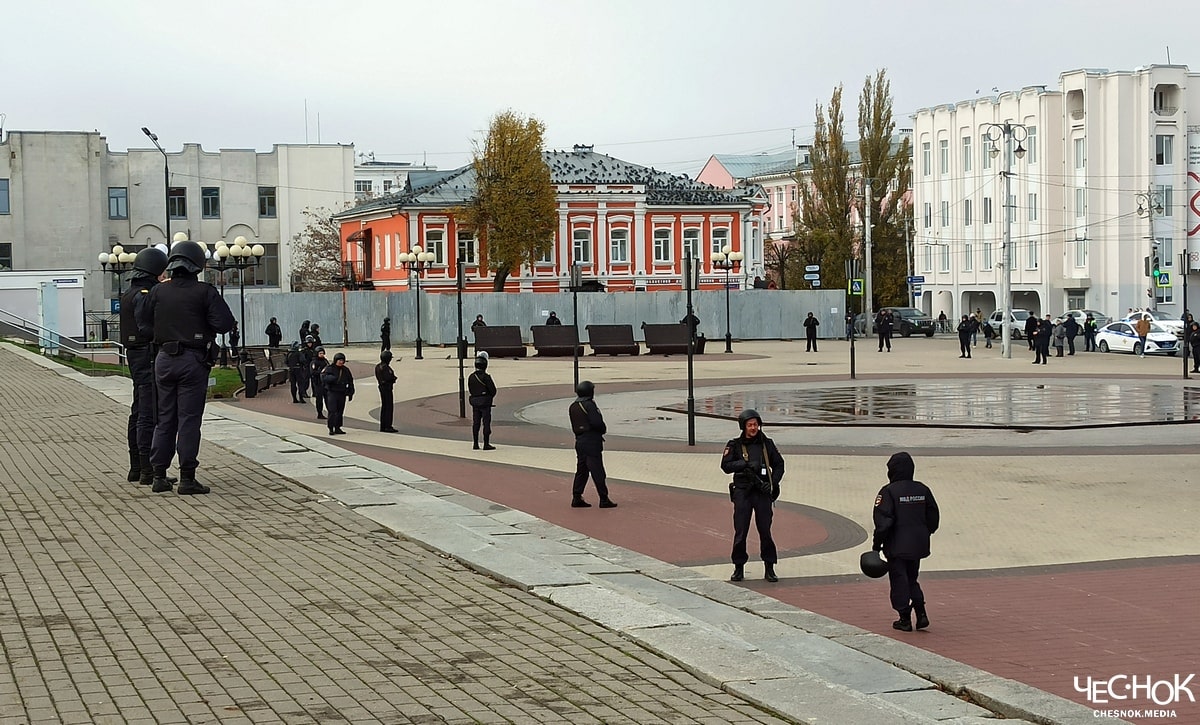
{"points": [[483, 393], [905, 515], [186, 316], [148, 266], [757, 468]]}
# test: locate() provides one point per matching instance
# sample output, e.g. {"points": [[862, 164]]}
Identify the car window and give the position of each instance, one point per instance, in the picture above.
{"points": [[1020, 315], [1119, 328]]}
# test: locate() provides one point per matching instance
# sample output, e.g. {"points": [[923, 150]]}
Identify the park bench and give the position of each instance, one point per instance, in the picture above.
{"points": [[612, 340], [499, 341], [278, 364], [261, 359], [668, 339], [551, 340]]}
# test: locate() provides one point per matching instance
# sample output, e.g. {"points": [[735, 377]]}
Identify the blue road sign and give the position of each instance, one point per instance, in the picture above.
{"points": [[1164, 279], [917, 279], [856, 287]]}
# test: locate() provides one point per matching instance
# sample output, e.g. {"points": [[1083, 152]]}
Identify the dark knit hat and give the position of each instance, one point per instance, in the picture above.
{"points": [[900, 467]]}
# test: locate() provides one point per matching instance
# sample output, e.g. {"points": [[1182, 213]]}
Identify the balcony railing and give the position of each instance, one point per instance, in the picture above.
{"points": [[1165, 110]]}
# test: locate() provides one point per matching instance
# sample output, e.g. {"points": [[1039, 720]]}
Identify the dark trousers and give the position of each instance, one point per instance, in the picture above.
{"points": [[1089, 342], [811, 343], [297, 390], [1195, 358], [481, 417], [274, 342], [182, 384], [1058, 350], [318, 397], [142, 411], [1041, 351], [906, 592], [964, 346], [747, 502], [337, 407], [589, 461], [1032, 345], [885, 339], [386, 408], [384, 343], [1071, 344]]}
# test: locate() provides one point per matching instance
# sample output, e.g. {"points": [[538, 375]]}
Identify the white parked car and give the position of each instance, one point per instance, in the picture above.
{"points": [[1082, 315], [1174, 324], [1121, 337], [1016, 320]]}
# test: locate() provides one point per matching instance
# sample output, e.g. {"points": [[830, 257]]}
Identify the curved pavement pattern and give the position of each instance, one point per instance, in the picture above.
{"points": [[798, 664]]}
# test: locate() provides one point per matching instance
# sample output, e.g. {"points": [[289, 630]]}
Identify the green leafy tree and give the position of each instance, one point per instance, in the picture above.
{"points": [[889, 168], [514, 213], [317, 251], [825, 229]]}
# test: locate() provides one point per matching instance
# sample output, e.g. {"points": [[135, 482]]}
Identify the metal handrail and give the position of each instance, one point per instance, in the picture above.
{"points": [[90, 351]]}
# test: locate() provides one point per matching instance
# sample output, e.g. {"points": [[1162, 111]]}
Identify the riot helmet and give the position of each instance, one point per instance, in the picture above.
{"points": [[585, 389], [319, 351], [295, 346], [872, 564], [151, 262], [385, 356], [746, 415], [308, 339], [481, 361], [186, 255], [340, 356]]}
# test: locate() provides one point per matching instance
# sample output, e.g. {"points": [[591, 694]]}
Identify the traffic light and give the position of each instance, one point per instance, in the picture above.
{"points": [[1151, 265]]}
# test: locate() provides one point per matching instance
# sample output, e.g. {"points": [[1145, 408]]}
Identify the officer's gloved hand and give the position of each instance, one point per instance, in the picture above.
{"points": [[877, 547], [350, 397]]}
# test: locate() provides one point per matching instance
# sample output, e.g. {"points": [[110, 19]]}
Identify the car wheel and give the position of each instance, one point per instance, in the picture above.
{"points": [[905, 331], [1137, 348], [1103, 346], [929, 333], [1171, 353]]}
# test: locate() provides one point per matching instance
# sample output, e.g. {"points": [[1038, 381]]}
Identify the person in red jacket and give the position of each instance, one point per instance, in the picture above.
{"points": [[906, 514]]}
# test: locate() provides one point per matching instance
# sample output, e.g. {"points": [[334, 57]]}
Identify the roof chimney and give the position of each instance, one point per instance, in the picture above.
{"points": [[802, 154], [583, 148]]}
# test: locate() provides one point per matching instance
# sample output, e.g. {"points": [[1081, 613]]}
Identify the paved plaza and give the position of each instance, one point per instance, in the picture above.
{"points": [[1064, 552]]}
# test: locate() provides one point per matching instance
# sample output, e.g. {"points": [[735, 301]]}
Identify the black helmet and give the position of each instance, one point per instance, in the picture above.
{"points": [[151, 262], [481, 361], [385, 356], [339, 356], [295, 346], [585, 389], [186, 255], [746, 415], [315, 327], [309, 338], [872, 564], [319, 350]]}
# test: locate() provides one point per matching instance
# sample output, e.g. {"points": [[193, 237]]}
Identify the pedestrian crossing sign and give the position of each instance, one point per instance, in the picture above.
{"points": [[1163, 279], [856, 287]]}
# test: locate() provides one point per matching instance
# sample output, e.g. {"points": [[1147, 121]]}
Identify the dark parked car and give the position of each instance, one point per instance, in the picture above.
{"points": [[908, 321]]}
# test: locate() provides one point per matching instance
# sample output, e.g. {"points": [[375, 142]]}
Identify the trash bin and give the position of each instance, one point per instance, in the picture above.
{"points": [[250, 379]]}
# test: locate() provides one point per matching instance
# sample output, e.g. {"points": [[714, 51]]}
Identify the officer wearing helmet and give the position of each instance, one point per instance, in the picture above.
{"points": [[588, 425], [757, 468], [315, 368], [186, 316], [148, 266], [905, 515], [386, 377], [308, 352], [385, 335], [338, 382], [295, 365], [483, 393]]}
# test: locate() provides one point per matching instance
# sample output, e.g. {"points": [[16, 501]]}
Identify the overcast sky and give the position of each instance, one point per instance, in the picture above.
{"points": [[664, 83]]}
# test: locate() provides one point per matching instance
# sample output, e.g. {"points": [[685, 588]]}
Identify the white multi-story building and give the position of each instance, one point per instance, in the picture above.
{"points": [[1097, 149], [65, 197], [378, 178]]}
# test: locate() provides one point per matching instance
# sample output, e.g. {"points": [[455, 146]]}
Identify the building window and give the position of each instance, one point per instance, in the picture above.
{"points": [[1031, 146], [1164, 149], [967, 214], [1163, 294], [4, 207], [985, 152], [435, 242], [793, 190], [5, 256], [968, 256], [177, 202], [926, 159], [210, 202], [662, 245], [387, 185], [945, 213], [548, 255], [362, 188], [118, 202], [945, 255], [928, 214], [581, 245], [1033, 207], [779, 196], [1012, 207], [1031, 254], [987, 256], [691, 241], [1081, 252], [720, 238], [944, 156], [466, 249], [1166, 194], [966, 153], [263, 274], [987, 210], [1080, 153], [618, 244], [266, 202], [928, 257], [1080, 202], [1166, 251]]}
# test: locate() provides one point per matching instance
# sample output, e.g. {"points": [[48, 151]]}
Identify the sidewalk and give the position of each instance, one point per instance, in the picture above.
{"points": [[316, 585]]}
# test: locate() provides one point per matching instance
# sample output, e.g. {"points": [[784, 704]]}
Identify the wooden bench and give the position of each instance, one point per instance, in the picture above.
{"points": [[278, 358], [667, 339], [261, 360], [551, 340], [612, 340], [499, 341]]}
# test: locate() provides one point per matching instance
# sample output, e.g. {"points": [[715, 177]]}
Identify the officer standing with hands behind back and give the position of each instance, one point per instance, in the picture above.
{"points": [[757, 469], [186, 316], [148, 266], [588, 425], [483, 393]]}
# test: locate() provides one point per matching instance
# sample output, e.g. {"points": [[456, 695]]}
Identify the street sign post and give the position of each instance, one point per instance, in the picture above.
{"points": [[916, 279], [1163, 279], [856, 287]]}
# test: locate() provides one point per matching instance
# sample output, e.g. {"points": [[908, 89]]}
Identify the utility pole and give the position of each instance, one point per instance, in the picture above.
{"points": [[996, 131], [1150, 203], [868, 299]]}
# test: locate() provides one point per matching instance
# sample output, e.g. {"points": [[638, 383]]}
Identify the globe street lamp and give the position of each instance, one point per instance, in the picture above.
{"points": [[417, 260], [728, 261], [241, 255], [117, 262]]}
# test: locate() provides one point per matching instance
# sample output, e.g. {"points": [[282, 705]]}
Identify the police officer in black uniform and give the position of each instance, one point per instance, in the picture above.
{"points": [[148, 266], [385, 335], [315, 368], [386, 378], [295, 365], [757, 469], [274, 333], [315, 331], [339, 387], [308, 352], [905, 515], [186, 316], [589, 428], [483, 392]]}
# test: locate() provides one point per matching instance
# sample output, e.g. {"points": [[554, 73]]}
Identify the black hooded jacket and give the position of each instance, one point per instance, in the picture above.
{"points": [[905, 512]]}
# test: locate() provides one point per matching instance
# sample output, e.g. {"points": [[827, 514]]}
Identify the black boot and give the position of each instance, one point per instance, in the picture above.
{"points": [[189, 486], [161, 484], [607, 503], [922, 618], [904, 623], [475, 445], [487, 446], [135, 467], [770, 576], [739, 573], [147, 477], [578, 503]]}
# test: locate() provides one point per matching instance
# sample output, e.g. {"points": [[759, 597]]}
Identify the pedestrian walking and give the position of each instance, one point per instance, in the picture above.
{"points": [[588, 425], [483, 395], [905, 516], [989, 333], [553, 319], [296, 376], [757, 469], [1031, 327], [338, 382], [315, 369], [148, 266], [978, 320], [1060, 337], [1089, 334], [1142, 328], [274, 333], [386, 378], [883, 327], [965, 327], [308, 351], [692, 322], [943, 325], [1071, 327], [234, 338], [811, 323], [849, 325], [186, 316], [1193, 333], [385, 335]]}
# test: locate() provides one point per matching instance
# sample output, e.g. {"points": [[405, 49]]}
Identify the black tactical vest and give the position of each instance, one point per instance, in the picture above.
{"points": [[140, 287], [181, 313]]}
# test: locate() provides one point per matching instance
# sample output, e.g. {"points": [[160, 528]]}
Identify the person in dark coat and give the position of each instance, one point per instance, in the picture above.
{"points": [[810, 333], [295, 364], [1071, 327], [553, 319], [1031, 327], [883, 327], [905, 516], [234, 338], [304, 330], [757, 469], [315, 331], [1041, 346], [483, 395], [148, 266], [692, 322], [315, 370], [309, 352], [588, 426], [1090, 327], [385, 335], [1193, 333], [386, 378], [338, 382], [274, 333], [478, 322], [965, 327]]}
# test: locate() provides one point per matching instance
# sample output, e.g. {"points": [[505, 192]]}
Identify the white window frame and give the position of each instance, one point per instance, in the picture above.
{"points": [[1033, 210], [467, 249], [944, 250], [1032, 253], [1031, 154], [968, 256], [928, 214], [1164, 149], [720, 238], [1080, 202], [1166, 251], [547, 257], [928, 257], [1081, 252], [1166, 194], [1012, 207], [435, 241], [691, 240], [1080, 153], [581, 245], [985, 147], [966, 153], [618, 245], [987, 210], [966, 212], [988, 262], [926, 158], [664, 245], [944, 155], [945, 213]]}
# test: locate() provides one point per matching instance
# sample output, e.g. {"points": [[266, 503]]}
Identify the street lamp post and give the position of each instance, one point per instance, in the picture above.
{"points": [[460, 343], [117, 262], [1007, 131], [166, 183], [418, 260], [691, 273], [241, 255], [728, 261], [1150, 203]]}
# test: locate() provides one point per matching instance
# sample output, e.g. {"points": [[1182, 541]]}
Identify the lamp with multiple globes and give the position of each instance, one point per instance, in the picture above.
{"points": [[727, 260], [240, 255], [417, 260]]}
